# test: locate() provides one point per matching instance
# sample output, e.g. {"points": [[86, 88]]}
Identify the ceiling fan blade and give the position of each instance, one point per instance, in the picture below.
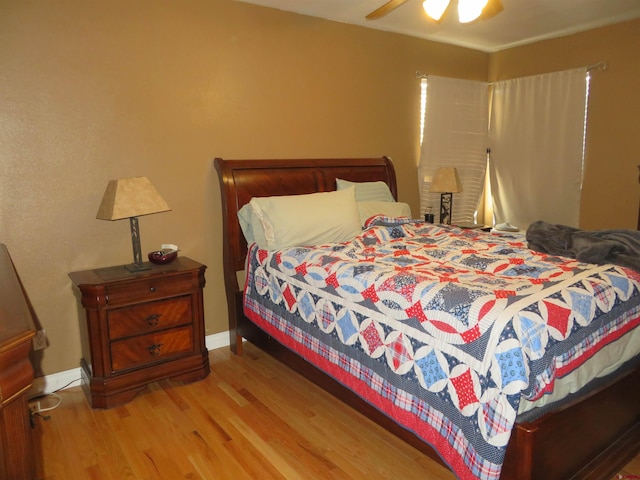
{"points": [[384, 9]]}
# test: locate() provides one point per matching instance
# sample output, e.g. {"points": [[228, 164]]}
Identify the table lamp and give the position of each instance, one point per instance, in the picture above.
{"points": [[446, 182], [131, 198]]}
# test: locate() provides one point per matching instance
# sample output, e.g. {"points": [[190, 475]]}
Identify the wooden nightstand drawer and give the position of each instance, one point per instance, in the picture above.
{"points": [[148, 289], [149, 317], [153, 347]]}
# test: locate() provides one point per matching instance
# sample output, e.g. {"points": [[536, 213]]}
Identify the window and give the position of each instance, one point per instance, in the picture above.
{"points": [[454, 135], [536, 135]]}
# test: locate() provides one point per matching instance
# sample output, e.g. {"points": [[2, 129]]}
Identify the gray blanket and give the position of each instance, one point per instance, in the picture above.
{"points": [[620, 247]]}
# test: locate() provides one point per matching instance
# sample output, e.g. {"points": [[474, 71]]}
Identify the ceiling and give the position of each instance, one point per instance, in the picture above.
{"points": [[521, 21]]}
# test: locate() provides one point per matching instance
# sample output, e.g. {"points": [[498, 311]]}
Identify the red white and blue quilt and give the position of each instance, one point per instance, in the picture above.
{"points": [[442, 329]]}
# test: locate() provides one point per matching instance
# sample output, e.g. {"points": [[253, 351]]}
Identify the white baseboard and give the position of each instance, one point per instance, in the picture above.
{"points": [[71, 378], [217, 340]]}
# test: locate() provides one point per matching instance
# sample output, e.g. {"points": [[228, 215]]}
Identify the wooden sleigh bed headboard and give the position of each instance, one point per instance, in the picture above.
{"points": [[242, 180], [556, 446]]}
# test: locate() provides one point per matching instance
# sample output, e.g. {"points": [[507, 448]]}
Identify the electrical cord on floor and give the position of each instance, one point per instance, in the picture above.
{"points": [[65, 386], [36, 407]]}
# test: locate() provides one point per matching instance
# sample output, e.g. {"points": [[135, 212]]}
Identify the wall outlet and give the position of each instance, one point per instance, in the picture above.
{"points": [[34, 406], [40, 340]]}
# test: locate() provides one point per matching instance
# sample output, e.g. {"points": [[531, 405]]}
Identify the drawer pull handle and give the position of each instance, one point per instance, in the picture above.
{"points": [[153, 319], [154, 349], [152, 289]]}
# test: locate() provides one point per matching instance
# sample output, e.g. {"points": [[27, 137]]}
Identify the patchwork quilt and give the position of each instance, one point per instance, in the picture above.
{"points": [[442, 329]]}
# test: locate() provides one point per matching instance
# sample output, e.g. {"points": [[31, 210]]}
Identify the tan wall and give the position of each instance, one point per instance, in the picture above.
{"points": [[92, 91], [610, 189]]}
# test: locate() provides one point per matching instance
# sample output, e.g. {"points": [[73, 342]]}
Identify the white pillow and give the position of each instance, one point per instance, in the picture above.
{"points": [[367, 210], [312, 219], [368, 191], [250, 225]]}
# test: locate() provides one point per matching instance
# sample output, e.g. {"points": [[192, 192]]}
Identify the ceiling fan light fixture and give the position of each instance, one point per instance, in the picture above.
{"points": [[470, 10], [435, 8]]}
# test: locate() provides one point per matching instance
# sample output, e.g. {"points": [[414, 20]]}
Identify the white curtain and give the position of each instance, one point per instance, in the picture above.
{"points": [[455, 135], [537, 147]]}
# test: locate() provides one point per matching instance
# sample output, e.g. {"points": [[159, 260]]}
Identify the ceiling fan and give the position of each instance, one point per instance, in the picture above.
{"points": [[468, 10]]}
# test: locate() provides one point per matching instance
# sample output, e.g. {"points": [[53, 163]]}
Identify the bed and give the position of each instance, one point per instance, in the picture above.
{"points": [[589, 434]]}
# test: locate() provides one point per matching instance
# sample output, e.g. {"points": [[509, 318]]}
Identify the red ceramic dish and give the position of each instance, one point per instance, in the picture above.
{"points": [[162, 257]]}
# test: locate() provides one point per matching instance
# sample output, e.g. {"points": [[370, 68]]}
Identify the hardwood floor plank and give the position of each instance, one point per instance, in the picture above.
{"points": [[251, 418], [221, 438]]}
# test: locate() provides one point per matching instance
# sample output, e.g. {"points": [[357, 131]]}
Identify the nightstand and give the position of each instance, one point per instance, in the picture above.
{"points": [[140, 327]]}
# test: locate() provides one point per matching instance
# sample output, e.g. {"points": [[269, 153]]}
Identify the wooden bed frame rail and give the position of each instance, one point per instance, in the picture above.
{"points": [[590, 438]]}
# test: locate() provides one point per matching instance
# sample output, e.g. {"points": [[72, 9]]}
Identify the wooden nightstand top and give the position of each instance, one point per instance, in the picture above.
{"points": [[100, 276]]}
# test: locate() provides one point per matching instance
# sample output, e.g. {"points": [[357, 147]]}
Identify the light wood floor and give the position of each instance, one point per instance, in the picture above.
{"points": [[252, 418]]}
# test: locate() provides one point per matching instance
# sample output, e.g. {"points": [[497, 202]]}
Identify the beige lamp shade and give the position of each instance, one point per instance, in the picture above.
{"points": [[130, 197], [446, 180]]}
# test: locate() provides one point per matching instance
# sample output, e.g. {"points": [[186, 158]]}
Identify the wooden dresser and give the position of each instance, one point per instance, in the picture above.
{"points": [[17, 445], [140, 327]]}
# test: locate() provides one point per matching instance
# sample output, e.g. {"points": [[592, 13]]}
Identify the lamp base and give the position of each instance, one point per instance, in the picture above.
{"points": [[135, 267], [446, 205]]}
